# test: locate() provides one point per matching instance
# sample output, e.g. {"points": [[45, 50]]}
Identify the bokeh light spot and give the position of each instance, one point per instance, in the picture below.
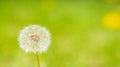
{"points": [[112, 21], [111, 1], [48, 5]]}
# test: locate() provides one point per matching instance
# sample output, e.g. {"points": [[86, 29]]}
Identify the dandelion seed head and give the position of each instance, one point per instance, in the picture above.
{"points": [[34, 38]]}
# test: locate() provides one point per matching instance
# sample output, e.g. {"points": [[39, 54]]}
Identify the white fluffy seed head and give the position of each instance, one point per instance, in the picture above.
{"points": [[34, 38]]}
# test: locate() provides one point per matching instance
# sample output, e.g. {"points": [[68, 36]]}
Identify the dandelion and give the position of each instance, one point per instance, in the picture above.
{"points": [[111, 1], [48, 5], [112, 21], [34, 38]]}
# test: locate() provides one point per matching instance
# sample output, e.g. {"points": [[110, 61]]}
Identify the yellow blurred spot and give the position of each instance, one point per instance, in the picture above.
{"points": [[111, 1], [112, 21], [48, 5]]}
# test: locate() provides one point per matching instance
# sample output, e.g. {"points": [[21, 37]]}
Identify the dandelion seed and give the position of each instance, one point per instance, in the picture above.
{"points": [[34, 38]]}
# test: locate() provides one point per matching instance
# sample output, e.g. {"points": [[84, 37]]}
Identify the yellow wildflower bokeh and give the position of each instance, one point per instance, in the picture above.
{"points": [[48, 5], [111, 1], [112, 21]]}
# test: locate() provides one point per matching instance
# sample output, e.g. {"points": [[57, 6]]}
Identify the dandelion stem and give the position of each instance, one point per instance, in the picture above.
{"points": [[38, 61]]}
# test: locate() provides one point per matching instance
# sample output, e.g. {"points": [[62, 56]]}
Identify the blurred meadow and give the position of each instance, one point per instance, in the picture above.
{"points": [[85, 33]]}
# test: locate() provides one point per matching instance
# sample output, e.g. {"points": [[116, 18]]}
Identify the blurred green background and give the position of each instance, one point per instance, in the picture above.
{"points": [[85, 33]]}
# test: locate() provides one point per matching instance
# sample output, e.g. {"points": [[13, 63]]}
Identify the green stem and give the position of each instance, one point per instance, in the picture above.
{"points": [[38, 61]]}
